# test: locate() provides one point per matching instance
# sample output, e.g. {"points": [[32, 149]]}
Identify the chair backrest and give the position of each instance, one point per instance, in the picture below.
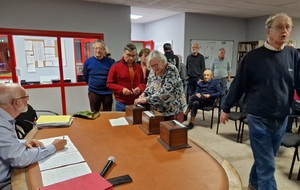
{"points": [[242, 106], [26, 120]]}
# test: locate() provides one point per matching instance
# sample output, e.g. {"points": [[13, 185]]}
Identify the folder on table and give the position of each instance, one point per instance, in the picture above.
{"points": [[91, 181], [54, 121]]}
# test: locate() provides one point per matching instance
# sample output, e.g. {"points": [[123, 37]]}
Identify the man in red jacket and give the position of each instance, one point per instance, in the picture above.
{"points": [[126, 78]]}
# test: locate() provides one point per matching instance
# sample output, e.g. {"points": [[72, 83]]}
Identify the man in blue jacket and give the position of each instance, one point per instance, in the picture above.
{"points": [[95, 72], [206, 92]]}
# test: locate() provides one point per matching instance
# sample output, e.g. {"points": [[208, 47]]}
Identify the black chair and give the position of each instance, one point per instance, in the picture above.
{"points": [[26, 121], [241, 131], [292, 140], [216, 104], [237, 116]]}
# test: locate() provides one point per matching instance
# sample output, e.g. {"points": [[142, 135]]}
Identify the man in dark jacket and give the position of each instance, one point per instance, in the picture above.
{"points": [[171, 58], [195, 66], [206, 92]]}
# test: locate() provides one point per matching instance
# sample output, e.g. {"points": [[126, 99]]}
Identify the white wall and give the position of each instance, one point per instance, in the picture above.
{"points": [[171, 28], [138, 32]]}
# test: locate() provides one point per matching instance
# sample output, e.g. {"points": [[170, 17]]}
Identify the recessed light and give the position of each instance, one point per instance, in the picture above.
{"points": [[135, 16]]}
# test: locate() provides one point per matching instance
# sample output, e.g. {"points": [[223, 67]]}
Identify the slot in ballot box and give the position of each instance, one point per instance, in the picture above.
{"points": [[133, 113], [151, 122], [173, 135]]}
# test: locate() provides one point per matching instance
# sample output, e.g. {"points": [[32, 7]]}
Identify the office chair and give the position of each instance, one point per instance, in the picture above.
{"points": [[26, 121], [216, 104], [292, 140], [237, 116], [241, 131]]}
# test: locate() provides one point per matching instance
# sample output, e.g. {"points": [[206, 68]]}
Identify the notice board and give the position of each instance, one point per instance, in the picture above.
{"points": [[210, 48]]}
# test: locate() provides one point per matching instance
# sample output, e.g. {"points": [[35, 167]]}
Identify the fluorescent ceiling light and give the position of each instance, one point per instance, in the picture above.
{"points": [[135, 16]]}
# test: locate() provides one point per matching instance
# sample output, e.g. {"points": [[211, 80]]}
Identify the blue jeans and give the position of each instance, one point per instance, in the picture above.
{"points": [[265, 138], [120, 106]]}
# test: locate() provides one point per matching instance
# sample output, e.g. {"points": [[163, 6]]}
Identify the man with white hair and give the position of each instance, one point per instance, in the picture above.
{"points": [[14, 152], [268, 76], [195, 66], [205, 94]]}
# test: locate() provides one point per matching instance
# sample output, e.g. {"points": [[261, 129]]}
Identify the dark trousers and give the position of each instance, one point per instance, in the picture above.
{"points": [[192, 83], [97, 100], [196, 103]]}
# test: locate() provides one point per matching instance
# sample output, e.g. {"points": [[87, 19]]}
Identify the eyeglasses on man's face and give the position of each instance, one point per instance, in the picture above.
{"points": [[130, 55], [23, 97], [282, 28]]}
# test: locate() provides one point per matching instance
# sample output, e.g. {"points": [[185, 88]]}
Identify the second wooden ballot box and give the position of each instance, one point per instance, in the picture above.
{"points": [[173, 135], [151, 122], [133, 114]]}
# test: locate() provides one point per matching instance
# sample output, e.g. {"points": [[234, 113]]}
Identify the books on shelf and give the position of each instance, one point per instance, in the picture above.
{"points": [[54, 121]]}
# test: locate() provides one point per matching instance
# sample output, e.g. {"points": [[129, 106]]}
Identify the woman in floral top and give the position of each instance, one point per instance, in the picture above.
{"points": [[164, 90]]}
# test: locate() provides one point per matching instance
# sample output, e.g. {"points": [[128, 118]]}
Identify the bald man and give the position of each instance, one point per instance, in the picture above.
{"points": [[14, 152], [206, 92]]}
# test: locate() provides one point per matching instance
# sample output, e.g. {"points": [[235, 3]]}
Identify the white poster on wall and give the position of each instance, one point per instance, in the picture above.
{"points": [[210, 48], [160, 45]]}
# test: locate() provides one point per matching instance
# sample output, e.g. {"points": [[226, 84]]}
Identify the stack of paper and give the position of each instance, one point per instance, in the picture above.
{"points": [[63, 165], [54, 121]]}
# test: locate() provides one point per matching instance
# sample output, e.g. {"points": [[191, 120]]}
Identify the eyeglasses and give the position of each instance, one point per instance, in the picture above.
{"points": [[130, 55], [281, 28], [27, 97]]}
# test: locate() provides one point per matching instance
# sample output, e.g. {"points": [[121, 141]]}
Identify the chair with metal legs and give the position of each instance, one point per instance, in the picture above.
{"points": [[292, 140]]}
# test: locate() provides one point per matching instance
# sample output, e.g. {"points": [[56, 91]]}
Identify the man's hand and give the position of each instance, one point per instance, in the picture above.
{"points": [[59, 144], [207, 96], [136, 91], [198, 95], [224, 117], [126, 91], [33, 143]]}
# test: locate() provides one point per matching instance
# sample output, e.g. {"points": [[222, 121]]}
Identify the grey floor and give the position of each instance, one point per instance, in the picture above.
{"points": [[239, 155]]}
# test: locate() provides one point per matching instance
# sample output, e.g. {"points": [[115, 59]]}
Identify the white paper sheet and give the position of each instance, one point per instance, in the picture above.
{"points": [[64, 173], [118, 122], [60, 160], [70, 147]]}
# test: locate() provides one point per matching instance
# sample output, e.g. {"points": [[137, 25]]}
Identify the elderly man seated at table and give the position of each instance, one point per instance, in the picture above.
{"points": [[206, 92], [15, 153]]}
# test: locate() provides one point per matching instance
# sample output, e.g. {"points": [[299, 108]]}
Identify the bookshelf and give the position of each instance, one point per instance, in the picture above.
{"points": [[245, 47]]}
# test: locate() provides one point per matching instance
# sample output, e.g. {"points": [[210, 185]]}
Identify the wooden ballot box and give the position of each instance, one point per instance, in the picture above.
{"points": [[151, 122], [173, 135], [133, 114]]}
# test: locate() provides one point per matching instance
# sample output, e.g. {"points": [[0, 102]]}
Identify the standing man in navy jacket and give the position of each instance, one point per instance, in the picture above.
{"points": [[95, 72], [267, 76]]}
